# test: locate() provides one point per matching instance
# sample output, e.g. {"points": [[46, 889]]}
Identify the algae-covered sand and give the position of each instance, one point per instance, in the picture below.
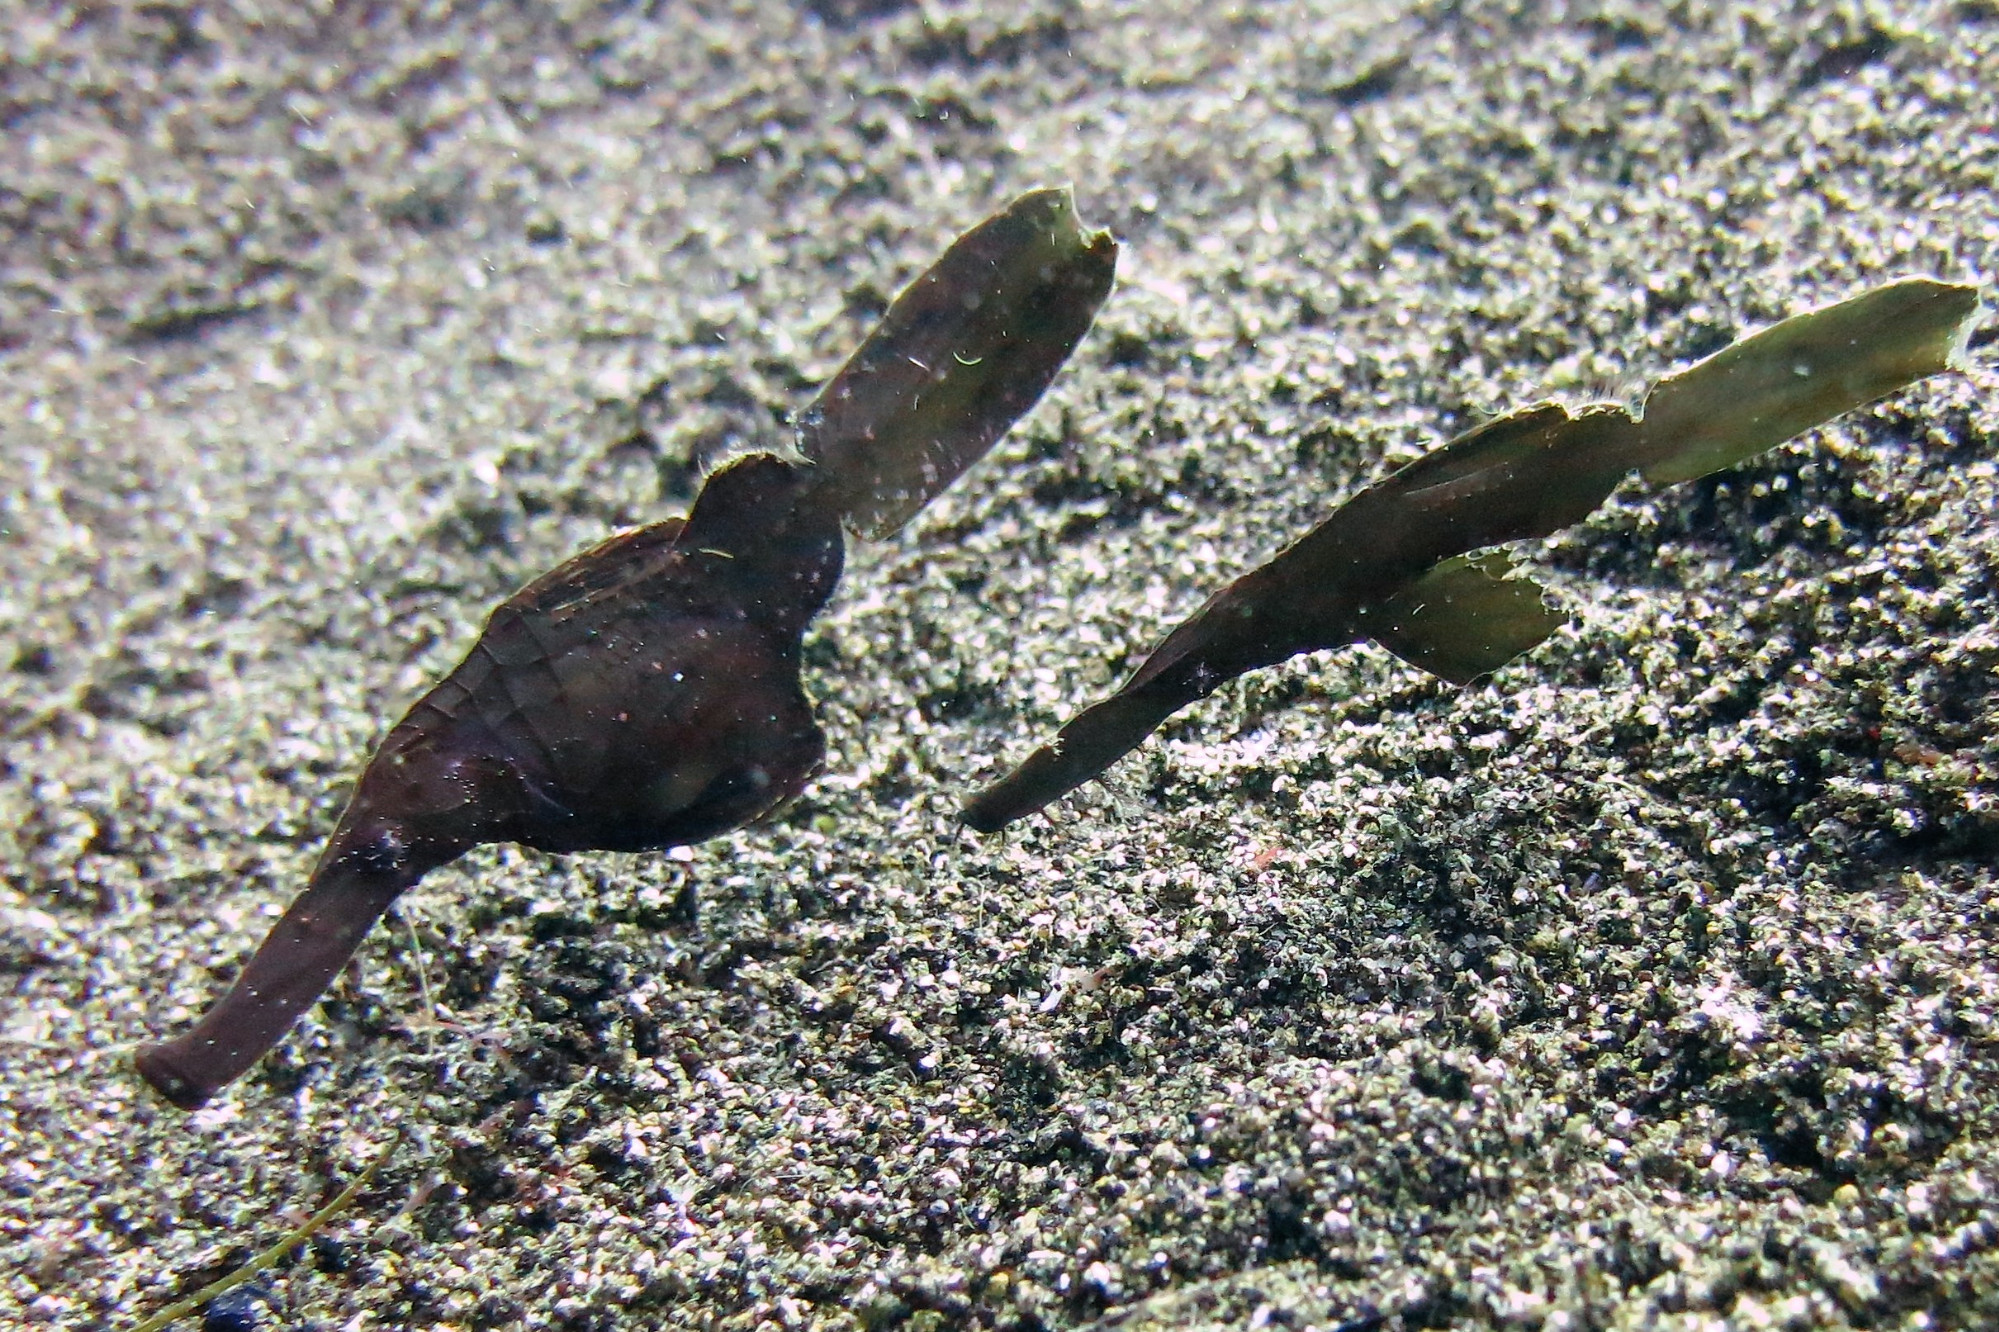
{"points": [[1648, 984]]}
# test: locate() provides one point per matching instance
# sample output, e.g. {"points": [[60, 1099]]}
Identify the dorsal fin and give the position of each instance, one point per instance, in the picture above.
{"points": [[764, 541]]}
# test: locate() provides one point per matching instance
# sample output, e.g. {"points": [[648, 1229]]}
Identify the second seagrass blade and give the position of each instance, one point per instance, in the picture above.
{"points": [[961, 355]]}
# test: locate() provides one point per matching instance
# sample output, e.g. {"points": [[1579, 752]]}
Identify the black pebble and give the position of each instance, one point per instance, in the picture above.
{"points": [[238, 1310]]}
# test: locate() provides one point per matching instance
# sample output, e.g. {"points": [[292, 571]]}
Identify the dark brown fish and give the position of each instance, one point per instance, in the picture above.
{"points": [[646, 693], [1394, 563]]}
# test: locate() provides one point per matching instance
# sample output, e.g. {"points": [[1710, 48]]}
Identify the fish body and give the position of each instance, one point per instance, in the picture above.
{"points": [[642, 695], [645, 694], [1397, 562]]}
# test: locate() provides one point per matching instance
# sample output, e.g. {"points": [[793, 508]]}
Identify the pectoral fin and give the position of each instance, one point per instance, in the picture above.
{"points": [[599, 572], [1465, 618]]}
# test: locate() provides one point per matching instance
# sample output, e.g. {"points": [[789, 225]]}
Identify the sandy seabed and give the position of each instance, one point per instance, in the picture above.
{"points": [[1649, 984]]}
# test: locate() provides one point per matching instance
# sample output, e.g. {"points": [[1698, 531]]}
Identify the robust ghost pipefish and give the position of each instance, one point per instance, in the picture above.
{"points": [[646, 693], [1396, 562]]}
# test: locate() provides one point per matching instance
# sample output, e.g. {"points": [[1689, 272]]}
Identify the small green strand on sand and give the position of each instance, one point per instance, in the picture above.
{"points": [[269, 1257]]}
